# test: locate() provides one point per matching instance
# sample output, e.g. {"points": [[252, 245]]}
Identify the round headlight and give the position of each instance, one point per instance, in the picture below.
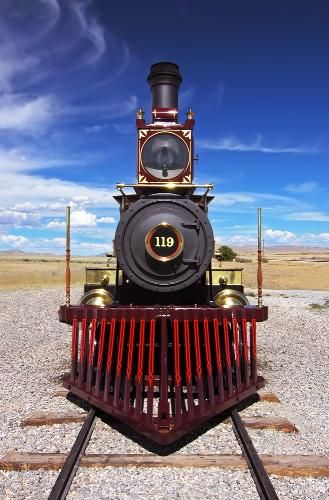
{"points": [[165, 156]]}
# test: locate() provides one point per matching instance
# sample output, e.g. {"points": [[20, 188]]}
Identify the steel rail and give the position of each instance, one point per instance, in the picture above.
{"points": [[66, 476], [261, 479]]}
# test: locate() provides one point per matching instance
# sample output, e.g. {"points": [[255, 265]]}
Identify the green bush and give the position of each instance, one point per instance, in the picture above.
{"points": [[226, 253]]}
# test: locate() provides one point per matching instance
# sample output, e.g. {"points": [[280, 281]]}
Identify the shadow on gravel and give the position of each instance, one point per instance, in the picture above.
{"points": [[150, 445]]}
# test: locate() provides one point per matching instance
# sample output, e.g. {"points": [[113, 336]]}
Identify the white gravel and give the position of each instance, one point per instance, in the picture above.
{"points": [[293, 348]]}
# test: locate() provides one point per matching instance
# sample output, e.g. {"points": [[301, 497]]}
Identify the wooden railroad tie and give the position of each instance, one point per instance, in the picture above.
{"points": [[281, 465], [52, 418]]}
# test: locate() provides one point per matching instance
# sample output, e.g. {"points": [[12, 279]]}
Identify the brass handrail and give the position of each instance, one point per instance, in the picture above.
{"points": [[169, 185]]}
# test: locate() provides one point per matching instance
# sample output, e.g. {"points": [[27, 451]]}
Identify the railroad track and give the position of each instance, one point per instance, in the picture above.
{"points": [[261, 479], [67, 473], [260, 466]]}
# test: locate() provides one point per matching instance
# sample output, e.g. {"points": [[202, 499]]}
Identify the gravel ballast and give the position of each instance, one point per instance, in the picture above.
{"points": [[293, 348]]}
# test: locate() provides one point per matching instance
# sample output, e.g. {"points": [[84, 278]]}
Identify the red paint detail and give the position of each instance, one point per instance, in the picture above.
{"points": [[83, 340], [178, 377], [121, 341], [92, 341], [141, 351], [130, 348], [74, 337], [151, 353], [207, 343], [111, 343], [226, 342], [217, 345], [236, 341], [187, 350], [101, 343], [197, 347], [245, 340], [253, 334]]}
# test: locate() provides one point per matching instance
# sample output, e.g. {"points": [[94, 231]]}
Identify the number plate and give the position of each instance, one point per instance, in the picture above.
{"points": [[164, 242]]}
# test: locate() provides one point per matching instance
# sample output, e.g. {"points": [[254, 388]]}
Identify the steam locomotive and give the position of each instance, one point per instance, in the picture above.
{"points": [[163, 342]]}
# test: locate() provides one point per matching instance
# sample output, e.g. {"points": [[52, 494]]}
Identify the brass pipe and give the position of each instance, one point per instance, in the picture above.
{"points": [[259, 270], [68, 256], [169, 185]]}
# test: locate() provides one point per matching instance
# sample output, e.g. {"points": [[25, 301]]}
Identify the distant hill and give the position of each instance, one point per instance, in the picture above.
{"points": [[20, 252], [279, 248], [12, 252]]}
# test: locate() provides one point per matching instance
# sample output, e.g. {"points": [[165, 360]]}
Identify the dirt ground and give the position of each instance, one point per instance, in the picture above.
{"points": [[307, 270]]}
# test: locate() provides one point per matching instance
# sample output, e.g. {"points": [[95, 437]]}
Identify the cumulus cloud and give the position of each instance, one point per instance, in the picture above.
{"points": [[106, 220], [20, 218], [324, 237], [13, 241], [56, 224], [280, 236], [51, 195], [81, 218]]}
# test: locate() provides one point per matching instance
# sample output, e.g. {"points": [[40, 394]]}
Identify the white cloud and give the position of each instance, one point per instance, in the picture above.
{"points": [[81, 218], [308, 216], [14, 241], [56, 224], [233, 144], [242, 239], [26, 207], [106, 220], [109, 111], [250, 201], [27, 115], [229, 199], [304, 187], [45, 194], [91, 30], [324, 237], [280, 236], [21, 159], [16, 218], [95, 129]]}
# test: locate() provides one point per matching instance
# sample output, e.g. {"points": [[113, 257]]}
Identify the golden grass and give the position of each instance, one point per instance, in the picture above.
{"points": [[284, 270]]}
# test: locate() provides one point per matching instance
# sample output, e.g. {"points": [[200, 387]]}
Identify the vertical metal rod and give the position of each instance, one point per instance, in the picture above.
{"points": [[259, 271], [68, 256]]}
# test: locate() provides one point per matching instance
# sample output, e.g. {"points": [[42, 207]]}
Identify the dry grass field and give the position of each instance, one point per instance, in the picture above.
{"points": [[290, 269]]}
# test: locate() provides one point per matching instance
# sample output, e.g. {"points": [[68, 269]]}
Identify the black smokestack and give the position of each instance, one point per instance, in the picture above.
{"points": [[164, 80]]}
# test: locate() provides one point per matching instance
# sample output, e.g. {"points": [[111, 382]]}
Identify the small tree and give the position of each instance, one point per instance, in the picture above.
{"points": [[227, 253]]}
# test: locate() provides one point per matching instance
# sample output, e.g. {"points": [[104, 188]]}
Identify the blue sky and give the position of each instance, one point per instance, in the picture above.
{"points": [[73, 72]]}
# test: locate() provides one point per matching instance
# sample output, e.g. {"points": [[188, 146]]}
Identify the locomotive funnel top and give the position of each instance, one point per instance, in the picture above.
{"points": [[164, 80]]}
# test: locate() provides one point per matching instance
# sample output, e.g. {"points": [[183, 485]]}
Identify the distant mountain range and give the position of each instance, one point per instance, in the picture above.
{"points": [[237, 249], [20, 252], [280, 248]]}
